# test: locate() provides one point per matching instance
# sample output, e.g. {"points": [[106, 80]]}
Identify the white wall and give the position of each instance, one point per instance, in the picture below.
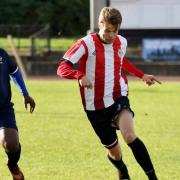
{"points": [[149, 14], [95, 8]]}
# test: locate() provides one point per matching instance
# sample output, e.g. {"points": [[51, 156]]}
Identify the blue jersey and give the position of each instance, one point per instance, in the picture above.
{"points": [[7, 66]]}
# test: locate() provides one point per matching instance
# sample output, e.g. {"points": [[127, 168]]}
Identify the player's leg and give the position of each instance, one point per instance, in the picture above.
{"points": [[125, 124], [115, 157], [101, 123], [10, 141]]}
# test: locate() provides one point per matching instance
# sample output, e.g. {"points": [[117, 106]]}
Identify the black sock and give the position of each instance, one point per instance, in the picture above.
{"points": [[151, 175], [120, 166], [142, 157], [13, 158]]}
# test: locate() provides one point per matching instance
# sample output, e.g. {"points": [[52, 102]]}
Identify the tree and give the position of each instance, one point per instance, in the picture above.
{"points": [[70, 17]]}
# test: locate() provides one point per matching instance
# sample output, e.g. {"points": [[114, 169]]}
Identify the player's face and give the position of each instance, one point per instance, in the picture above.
{"points": [[107, 32]]}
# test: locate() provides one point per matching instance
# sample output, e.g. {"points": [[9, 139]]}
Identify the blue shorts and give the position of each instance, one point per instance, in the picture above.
{"points": [[7, 118]]}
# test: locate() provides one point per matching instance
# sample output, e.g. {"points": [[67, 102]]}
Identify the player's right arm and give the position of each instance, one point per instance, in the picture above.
{"points": [[85, 82], [72, 56], [65, 70]]}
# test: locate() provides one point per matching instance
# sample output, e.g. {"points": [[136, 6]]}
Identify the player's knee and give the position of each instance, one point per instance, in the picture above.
{"points": [[129, 137]]}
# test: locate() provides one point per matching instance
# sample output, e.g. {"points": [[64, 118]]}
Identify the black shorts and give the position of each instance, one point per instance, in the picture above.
{"points": [[102, 121], [7, 118]]}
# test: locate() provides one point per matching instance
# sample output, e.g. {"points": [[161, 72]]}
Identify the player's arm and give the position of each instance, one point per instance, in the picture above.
{"points": [[85, 82], [19, 82], [72, 56], [65, 70], [131, 68], [150, 79]]}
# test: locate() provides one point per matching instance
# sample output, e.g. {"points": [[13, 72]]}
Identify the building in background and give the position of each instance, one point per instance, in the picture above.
{"points": [[146, 15], [146, 23]]}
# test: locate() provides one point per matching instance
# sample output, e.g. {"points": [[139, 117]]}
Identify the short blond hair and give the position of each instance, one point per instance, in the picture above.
{"points": [[110, 15]]}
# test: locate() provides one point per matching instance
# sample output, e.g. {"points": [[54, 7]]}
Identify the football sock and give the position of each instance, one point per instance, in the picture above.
{"points": [[120, 166], [13, 158], [142, 157]]}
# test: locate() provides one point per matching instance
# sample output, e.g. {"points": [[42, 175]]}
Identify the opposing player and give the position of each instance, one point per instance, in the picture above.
{"points": [[8, 128], [104, 89]]}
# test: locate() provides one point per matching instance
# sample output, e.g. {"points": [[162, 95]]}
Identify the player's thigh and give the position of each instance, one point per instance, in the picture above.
{"points": [[1, 136], [9, 139], [126, 125], [125, 120], [101, 123]]}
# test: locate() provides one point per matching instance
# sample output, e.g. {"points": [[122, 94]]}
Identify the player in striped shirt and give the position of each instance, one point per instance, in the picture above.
{"points": [[8, 128], [104, 89]]}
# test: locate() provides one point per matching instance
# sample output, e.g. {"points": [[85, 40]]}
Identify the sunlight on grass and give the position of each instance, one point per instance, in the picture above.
{"points": [[25, 43], [58, 140]]}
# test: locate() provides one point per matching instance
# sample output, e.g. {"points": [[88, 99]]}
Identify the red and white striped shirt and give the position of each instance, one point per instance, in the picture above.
{"points": [[102, 64]]}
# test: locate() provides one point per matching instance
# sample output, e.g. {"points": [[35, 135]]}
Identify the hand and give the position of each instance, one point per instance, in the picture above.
{"points": [[85, 82], [150, 79], [29, 100]]}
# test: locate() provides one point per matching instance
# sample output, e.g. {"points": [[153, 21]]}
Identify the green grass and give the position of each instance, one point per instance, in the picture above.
{"points": [[59, 144], [25, 43]]}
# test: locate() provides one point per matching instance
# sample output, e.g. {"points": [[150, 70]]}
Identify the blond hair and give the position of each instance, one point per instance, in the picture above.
{"points": [[110, 15]]}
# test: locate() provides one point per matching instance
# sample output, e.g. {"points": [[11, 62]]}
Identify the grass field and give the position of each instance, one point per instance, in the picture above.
{"points": [[59, 144], [25, 43]]}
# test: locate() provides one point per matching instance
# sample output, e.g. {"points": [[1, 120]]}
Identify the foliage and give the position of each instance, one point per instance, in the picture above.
{"points": [[70, 17]]}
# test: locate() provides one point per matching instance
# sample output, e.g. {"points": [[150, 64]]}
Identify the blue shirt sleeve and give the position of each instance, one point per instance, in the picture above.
{"points": [[19, 82]]}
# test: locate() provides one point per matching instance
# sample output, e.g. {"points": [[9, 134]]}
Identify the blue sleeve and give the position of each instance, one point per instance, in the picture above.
{"points": [[19, 82]]}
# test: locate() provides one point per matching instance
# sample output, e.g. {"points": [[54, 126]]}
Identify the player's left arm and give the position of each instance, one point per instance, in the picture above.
{"points": [[131, 68], [150, 79], [19, 82], [17, 78]]}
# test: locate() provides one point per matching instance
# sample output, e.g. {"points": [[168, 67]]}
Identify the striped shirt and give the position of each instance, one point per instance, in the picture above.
{"points": [[102, 64]]}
